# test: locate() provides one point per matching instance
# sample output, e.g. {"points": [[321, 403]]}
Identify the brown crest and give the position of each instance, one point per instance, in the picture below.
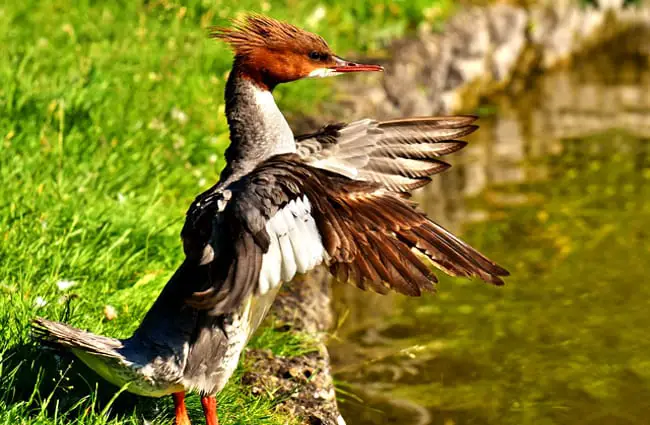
{"points": [[253, 31]]}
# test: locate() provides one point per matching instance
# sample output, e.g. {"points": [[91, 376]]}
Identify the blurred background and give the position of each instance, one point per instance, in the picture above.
{"points": [[111, 122]]}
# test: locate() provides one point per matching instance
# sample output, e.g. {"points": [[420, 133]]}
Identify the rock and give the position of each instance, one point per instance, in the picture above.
{"points": [[482, 49], [611, 4], [508, 27]]}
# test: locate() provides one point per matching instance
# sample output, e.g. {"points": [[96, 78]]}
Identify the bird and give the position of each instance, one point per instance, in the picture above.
{"points": [[284, 205]]}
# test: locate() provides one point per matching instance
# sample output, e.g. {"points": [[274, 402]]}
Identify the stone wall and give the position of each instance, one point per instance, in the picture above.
{"points": [[484, 50]]}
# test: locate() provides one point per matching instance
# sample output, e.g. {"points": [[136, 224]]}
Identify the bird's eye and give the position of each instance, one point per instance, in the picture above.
{"points": [[314, 55], [324, 57]]}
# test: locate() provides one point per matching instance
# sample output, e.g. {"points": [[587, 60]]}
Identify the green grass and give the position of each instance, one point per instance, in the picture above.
{"points": [[283, 343], [111, 122]]}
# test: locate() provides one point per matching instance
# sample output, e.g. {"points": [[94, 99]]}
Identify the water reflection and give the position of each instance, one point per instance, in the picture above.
{"points": [[555, 187]]}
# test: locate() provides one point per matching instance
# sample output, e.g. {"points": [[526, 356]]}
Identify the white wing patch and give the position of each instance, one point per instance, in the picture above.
{"points": [[296, 245]]}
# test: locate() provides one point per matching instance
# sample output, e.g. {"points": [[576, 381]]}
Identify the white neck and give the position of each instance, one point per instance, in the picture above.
{"points": [[273, 120], [258, 130]]}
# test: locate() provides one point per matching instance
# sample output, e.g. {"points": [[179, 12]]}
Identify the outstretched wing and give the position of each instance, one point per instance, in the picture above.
{"points": [[400, 154], [287, 217]]}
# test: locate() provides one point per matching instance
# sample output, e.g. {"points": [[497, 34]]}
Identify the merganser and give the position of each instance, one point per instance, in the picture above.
{"points": [[283, 206]]}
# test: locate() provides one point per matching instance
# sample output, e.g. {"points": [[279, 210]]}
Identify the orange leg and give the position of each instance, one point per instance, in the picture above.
{"points": [[210, 410], [180, 410]]}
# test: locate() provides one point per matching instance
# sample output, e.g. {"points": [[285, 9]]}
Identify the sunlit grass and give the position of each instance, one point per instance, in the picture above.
{"points": [[111, 122]]}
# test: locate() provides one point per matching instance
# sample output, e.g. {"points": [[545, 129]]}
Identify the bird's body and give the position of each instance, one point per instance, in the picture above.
{"points": [[174, 348], [283, 206]]}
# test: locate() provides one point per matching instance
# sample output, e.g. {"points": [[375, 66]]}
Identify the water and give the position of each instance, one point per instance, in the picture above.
{"points": [[555, 186]]}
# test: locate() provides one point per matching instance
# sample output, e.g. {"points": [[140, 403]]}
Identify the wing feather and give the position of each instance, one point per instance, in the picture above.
{"points": [[377, 239], [367, 234], [400, 154]]}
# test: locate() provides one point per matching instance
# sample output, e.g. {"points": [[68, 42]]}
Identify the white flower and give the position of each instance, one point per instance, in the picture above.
{"points": [[156, 124], [109, 312], [65, 284], [40, 302], [121, 198], [179, 116], [179, 141]]}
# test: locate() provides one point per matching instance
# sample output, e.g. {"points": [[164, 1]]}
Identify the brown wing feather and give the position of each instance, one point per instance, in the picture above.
{"points": [[383, 232]]}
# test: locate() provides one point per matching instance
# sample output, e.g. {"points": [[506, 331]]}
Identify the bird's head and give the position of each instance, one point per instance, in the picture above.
{"points": [[271, 52]]}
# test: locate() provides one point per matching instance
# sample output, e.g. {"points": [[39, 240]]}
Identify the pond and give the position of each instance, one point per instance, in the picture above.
{"points": [[555, 186]]}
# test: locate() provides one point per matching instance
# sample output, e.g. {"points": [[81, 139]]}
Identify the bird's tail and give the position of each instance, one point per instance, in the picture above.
{"points": [[60, 335]]}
